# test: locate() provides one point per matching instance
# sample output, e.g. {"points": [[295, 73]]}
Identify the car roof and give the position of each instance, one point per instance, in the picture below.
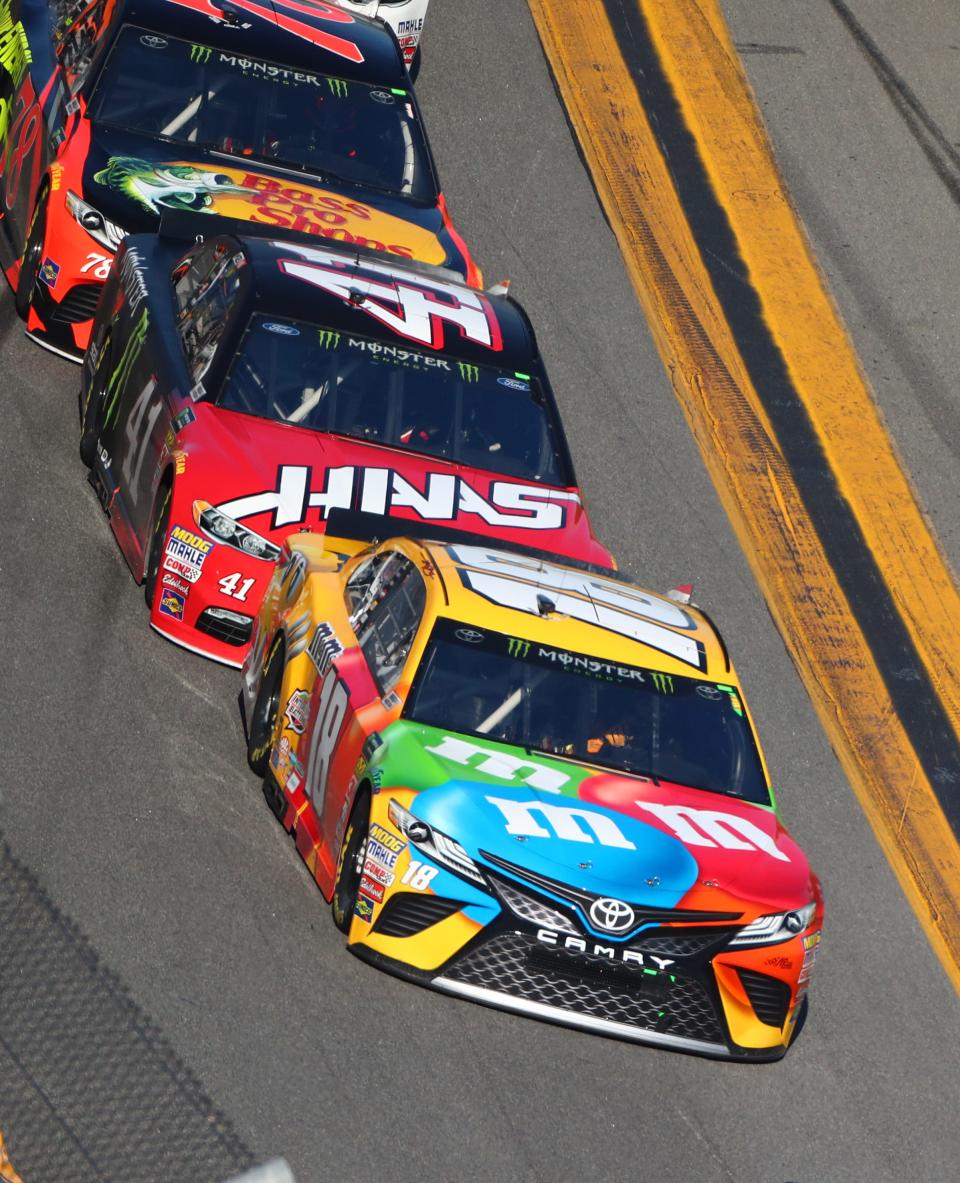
{"points": [[329, 40], [280, 293], [678, 639], [479, 575]]}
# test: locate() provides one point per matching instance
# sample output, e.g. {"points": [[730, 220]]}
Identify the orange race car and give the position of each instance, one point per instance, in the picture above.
{"points": [[297, 115]]}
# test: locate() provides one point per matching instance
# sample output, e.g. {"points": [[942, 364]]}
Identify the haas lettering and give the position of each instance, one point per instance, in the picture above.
{"points": [[382, 490]]}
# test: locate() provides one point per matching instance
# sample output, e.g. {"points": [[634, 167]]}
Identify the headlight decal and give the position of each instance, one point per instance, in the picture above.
{"points": [[436, 845], [224, 529], [100, 229], [775, 928]]}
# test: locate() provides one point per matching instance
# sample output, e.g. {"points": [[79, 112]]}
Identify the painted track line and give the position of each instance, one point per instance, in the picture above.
{"points": [[712, 380]]}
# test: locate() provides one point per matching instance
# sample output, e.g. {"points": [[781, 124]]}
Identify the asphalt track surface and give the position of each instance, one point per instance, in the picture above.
{"points": [[126, 794]]}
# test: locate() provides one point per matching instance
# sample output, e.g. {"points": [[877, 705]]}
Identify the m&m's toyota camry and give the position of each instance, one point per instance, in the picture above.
{"points": [[296, 114], [240, 389], [533, 786]]}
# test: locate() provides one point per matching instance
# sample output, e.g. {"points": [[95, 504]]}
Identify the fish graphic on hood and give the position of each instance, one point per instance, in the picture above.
{"points": [[166, 186]]}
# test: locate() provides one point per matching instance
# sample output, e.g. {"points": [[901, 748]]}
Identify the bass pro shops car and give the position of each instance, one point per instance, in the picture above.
{"points": [[405, 17], [531, 786], [243, 389], [297, 115]]}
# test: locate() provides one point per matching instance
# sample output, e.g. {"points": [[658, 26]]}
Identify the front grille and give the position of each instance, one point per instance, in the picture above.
{"points": [[80, 303], [769, 997], [231, 632], [408, 913], [680, 943], [530, 907], [584, 984]]}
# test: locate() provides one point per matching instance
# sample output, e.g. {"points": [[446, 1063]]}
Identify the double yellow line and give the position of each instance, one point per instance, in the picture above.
{"points": [[733, 431]]}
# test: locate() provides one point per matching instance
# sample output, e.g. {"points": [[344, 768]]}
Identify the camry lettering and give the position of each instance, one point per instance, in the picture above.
{"points": [[578, 945], [421, 313], [711, 827], [443, 498], [560, 821], [502, 765]]}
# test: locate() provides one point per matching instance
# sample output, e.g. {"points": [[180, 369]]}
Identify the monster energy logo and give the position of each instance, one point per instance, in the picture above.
{"points": [[468, 373], [516, 647], [328, 339], [338, 87], [663, 683], [200, 53], [121, 372]]}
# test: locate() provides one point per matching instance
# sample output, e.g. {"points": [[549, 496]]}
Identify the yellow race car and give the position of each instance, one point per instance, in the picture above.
{"points": [[530, 784]]}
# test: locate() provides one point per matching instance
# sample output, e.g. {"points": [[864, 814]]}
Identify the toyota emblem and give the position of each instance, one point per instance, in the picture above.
{"points": [[612, 915], [470, 635], [153, 42]]}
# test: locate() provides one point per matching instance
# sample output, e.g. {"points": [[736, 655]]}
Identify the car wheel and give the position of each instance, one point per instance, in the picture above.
{"points": [[353, 853], [274, 796], [158, 532], [90, 415], [264, 714], [32, 258]]}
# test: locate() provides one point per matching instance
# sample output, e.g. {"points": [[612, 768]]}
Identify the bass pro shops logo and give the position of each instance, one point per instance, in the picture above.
{"points": [[444, 498]]}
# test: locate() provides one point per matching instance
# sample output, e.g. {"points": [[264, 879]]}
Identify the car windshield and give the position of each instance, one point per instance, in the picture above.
{"points": [[258, 110], [295, 372], [683, 730]]}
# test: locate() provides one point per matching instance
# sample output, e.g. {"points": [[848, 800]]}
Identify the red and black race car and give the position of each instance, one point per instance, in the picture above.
{"points": [[242, 389], [294, 113]]}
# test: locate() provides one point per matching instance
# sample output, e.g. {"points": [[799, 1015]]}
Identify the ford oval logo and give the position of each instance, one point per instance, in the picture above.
{"points": [[612, 915]]}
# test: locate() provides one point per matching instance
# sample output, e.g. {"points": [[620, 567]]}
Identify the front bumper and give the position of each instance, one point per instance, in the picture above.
{"points": [[675, 983], [507, 968]]}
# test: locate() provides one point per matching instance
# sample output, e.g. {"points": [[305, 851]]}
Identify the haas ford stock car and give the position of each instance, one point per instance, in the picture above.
{"points": [[405, 17], [297, 115], [244, 389], [532, 786]]}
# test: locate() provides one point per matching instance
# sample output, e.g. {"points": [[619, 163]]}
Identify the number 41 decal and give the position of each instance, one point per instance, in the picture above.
{"points": [[231, 586]]}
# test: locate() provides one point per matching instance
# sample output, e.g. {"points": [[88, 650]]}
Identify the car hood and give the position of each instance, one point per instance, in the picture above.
{"points": [[133, 179], [662, 846], [276, 478]]}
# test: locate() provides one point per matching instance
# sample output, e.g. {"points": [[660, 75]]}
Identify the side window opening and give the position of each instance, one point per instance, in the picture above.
{"points": [[386, 597], [206, 288]]}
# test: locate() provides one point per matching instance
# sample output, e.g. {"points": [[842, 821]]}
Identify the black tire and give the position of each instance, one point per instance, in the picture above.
{"points": [[264, 713], [274, 796], [353, 852], [32, 259], [158, 532], [91, 415]]}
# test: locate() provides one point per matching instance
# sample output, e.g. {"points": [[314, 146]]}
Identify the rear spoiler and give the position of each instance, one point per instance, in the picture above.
{"points": [[375, 527], [188, 226]]}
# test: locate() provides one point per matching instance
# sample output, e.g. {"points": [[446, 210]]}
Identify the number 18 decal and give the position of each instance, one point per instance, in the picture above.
{"points": [[331, 713], [418, 875]]}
